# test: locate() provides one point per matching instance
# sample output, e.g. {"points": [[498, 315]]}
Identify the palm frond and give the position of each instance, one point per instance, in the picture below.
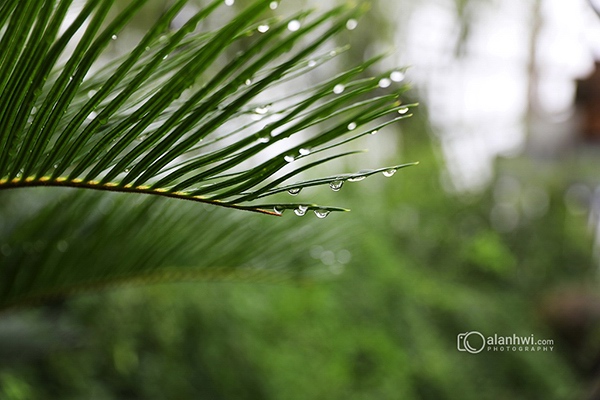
{"points": [[109, 239], [161, 120]]}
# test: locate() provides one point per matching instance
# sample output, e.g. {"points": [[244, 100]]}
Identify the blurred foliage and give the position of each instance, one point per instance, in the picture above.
{"points": [[426, 265]]}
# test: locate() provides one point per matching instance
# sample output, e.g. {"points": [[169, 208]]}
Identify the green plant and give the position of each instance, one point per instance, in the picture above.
{"points": [[165, 120]]}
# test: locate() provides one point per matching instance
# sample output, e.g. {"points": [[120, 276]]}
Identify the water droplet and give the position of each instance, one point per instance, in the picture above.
{"points": [[91, 93], [352, 126], [263, 28], [357, 178], [351, 24], [114, 37], [265, 138], [289, 158], [389, 172], [403, 110], [278, 210], [397, 76], [321, 213], [163, 38], [126, 170], [301, 210], [384, 82], [333, 53], [293, 25], [304, 152], [33, 110], [373, 132], [70, 78], [294, 191], [312, 63], [273, 5], [165, 57], [92, 115], [262, 110], [339, 88], [248, 82], [229, 3], [147, 48], [336, 185]]}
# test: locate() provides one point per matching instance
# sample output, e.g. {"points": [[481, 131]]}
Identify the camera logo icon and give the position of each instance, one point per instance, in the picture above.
{"points": [[472, 342]]}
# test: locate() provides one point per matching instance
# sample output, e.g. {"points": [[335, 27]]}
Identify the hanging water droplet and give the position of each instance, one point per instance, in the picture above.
{"points": [[70, 78], [294, 191], [301, 210], [263, 28], [273, 5], [114, 37], [339, 88], [397, 76], [126, 170], [357, 178], [351, 24], [163, 38], [336, 185], [248, 82], [229, 3], [92, 115], [264, 138], [289, 158], [389, 172], [293, 25], [91, 93], [278, 210], [321, 213], [384, 82], [352, 126], [374, 132], [262, 110], [403, 110], [312, 63], [304, 152]]}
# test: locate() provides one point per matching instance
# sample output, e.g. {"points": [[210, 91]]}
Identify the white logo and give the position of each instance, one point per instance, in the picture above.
{"points": [[469, 341]]}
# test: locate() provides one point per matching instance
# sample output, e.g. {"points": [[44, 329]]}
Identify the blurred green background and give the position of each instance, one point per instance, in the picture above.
{"points": [[424, 257]]}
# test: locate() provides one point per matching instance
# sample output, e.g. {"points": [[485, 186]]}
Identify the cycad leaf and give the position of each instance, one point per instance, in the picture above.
{"points": [[111, 239], [161, 120]]}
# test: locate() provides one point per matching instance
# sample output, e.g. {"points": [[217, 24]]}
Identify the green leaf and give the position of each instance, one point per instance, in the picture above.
{"points": [[162, 120]]}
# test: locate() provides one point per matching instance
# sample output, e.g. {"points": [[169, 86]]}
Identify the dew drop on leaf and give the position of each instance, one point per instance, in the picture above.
{"points": [[229, 3], [336, 185], [263, 28], [294, 191], [389, 172], [273, 5], [339, 88], [304, 152], [352, 126], [403, 110], [397, 76], [384, 82], [293, 25], [351, 24], [289, 158], [114, 37], [321, 213], [300, 211]]}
